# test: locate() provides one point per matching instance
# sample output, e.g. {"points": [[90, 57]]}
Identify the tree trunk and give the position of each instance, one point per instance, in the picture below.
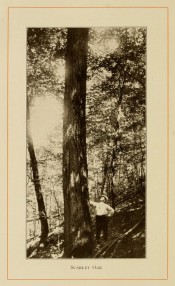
{"points": [[105, 171], [78, 230], [36, 181]]}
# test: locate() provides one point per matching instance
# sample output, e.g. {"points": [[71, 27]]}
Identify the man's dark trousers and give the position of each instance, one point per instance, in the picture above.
{"points": [[101, 225]]}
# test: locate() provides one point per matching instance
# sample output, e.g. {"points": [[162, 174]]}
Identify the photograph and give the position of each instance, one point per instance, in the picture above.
{"points": [[86, 142]]}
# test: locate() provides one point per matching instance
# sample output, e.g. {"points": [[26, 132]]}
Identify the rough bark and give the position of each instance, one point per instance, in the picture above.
{"points": [[78, 230], [36, 181]]}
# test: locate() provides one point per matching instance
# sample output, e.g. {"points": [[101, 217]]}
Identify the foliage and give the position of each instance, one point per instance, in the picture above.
{"points": [[45, 60], [116, 106]]}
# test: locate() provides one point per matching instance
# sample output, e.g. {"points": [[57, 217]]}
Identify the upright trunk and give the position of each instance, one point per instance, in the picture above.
{"points": [[36, 181], [110, 180], [78, 231], [105, 172], [111, 190]]}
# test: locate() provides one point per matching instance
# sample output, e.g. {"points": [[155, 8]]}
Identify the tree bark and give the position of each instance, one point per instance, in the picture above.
{"points": [[105, 170], [78, 230], [36, 181]]}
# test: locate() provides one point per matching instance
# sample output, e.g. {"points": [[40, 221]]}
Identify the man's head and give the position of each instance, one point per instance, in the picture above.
{"points": [[103, 199]]}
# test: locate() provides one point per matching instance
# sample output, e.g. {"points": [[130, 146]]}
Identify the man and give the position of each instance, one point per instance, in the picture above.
{"points": [[103, 211]]}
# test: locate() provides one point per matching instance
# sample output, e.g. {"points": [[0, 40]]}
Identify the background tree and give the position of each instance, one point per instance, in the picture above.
{"points": [[116, 108], [44, 82], [78, 233], [36, 181]]}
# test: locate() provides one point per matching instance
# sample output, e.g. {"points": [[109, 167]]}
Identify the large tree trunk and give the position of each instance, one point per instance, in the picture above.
{"points": [[78, 230], [36, 181]]}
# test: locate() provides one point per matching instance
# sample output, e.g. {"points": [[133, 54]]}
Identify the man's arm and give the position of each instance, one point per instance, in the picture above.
{"points": [[110, 210], [93, 203]]}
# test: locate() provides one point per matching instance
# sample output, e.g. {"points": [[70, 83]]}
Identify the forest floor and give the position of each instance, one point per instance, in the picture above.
{"points": [[126, 238]]}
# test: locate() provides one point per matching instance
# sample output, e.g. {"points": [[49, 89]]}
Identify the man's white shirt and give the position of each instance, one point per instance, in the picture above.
{"points": [[102, 208]]}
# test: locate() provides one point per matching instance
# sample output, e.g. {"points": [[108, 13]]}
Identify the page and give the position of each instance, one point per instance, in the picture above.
{"points": [[87, 142]]}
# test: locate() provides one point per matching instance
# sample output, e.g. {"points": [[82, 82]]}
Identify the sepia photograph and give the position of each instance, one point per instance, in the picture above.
{"points": [[86, 142]]}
